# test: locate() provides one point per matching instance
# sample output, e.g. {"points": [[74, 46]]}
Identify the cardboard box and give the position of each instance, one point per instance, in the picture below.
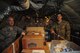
{"points": [[33, 41], [45, 49], [35, 29]]}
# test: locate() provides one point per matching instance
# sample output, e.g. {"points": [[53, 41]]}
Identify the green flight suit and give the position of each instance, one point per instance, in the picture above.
{"points": [[62, 29]]}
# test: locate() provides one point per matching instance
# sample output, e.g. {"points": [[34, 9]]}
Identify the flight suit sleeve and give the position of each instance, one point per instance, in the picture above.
{"points": [[68, 31], [19, 30]]}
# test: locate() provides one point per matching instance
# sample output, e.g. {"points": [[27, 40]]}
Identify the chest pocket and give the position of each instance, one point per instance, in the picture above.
{"points": [[62, 26]]}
